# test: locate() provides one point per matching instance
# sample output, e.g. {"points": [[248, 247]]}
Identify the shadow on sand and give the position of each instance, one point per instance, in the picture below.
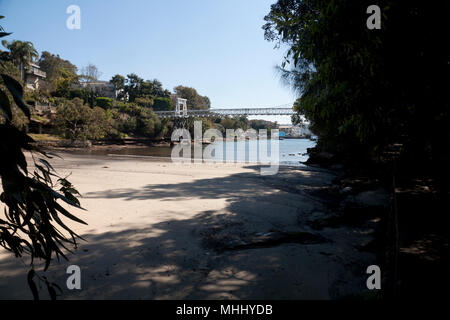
{"points": [[188, 259]]}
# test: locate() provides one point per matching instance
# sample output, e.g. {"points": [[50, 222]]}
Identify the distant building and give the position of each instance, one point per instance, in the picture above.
{"points": [[102, 88], [284, 127], [294, 131], [301, 131], [34, 76]]}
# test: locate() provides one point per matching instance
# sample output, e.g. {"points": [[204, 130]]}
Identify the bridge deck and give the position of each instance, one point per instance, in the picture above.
{"points": [[229, 112]]}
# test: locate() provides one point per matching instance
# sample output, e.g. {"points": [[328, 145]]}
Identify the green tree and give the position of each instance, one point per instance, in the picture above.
{"points": [[142, 121], [136, 87], [77, 121], [119, 85], [194, 100], [163, 104], [21, 54], [7, 67], [104, 102], [73, 119], [100, 124], [133, 86], [61, 74], [118, 81], [262, 124], [234, 123], [88, 95], [154, 88], [366, 90], [145, 102]]}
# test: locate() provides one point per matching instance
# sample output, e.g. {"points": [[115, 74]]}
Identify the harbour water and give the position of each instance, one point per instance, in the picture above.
{"points": [[292, 152]]}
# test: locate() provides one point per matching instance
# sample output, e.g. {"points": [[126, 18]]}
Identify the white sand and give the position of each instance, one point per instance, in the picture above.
{"points": [[150, 222]]}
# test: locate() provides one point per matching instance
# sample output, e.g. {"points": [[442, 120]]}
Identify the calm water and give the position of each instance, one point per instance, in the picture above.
{"points": [[291, 151]]}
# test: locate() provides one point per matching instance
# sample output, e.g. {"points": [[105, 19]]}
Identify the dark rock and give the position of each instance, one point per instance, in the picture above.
{"points": [[372, 198]]}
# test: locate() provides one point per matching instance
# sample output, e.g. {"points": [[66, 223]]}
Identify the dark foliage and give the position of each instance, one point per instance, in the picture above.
{"points": [[363, 90], [34, 201]]}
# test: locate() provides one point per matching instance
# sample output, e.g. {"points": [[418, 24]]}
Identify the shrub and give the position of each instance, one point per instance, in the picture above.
{"points": [[144, 102], [163, 104], [75, 120], [103, 102]]}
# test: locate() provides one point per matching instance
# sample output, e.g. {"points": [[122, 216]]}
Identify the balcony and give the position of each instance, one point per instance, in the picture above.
{"points": [[37, 72]]}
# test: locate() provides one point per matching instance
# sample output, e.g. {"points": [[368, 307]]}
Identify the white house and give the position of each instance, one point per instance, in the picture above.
{"points": [[33, 76]]}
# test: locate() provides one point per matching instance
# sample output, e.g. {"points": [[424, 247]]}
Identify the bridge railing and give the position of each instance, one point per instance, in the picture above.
{"points": [[230, 112]]}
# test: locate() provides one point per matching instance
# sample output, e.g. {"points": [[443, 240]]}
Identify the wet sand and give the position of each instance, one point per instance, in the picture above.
{"points": [[159, 230]]}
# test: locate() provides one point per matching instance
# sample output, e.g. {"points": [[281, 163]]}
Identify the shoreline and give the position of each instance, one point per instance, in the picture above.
{"points": [[64, 144], [289, 154]]}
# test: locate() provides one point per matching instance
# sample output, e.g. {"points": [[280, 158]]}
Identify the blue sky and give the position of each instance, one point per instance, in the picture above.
{"points": [[215, 46]]}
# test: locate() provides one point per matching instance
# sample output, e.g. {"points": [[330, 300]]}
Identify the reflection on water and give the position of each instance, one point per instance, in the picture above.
{"points": [[291, 151]]}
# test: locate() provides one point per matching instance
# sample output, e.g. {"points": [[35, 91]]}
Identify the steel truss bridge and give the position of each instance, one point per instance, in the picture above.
{"points": [[284, 110]]}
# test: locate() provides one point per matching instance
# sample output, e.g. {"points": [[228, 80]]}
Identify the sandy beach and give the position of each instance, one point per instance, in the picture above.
{"points": [[159, 230]]}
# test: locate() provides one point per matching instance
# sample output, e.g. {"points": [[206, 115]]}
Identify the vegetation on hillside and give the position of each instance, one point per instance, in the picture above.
{"points": [[82, 112]]}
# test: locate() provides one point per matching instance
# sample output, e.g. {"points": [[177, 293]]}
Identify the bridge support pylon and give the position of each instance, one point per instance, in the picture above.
{"points": [[181, 108]]}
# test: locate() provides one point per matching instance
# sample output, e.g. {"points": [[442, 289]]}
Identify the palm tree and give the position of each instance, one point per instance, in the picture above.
{"points": [[21, 54]]}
